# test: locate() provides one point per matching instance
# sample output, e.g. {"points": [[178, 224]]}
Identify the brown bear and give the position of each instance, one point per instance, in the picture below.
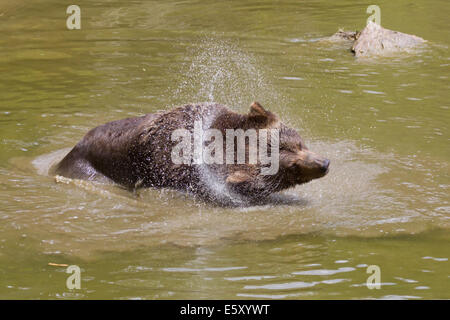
{"points": [[145, 152]]}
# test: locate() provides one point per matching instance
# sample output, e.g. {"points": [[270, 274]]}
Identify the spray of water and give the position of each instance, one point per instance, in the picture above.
{"points": [[220, 71]]}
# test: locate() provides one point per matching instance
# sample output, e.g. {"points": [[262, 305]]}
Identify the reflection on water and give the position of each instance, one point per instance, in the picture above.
{"points": [[383, 124]]}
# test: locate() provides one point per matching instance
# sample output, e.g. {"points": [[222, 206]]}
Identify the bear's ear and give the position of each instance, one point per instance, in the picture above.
{"points": [[257, 110], [260, 116]]}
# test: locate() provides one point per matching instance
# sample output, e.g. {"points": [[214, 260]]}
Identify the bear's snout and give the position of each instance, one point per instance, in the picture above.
{"points": [[325, 165], [319, 164], [312, 165]]}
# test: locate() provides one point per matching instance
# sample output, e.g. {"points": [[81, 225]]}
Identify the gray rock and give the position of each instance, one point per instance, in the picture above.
{"points": [[376, 40]]}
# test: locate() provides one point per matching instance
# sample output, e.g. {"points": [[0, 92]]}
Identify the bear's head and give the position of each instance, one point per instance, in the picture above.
{"points": [[296, 163]]}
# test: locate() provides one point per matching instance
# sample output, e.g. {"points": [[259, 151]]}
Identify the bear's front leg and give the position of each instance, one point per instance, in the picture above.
{"points": [[245, 183]]}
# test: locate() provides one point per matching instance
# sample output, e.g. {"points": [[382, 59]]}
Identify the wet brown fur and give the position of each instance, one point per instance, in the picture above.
{"points": [[136, 153]]}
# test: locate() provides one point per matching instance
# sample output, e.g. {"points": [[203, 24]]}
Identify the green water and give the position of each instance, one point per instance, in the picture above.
{"points": [[384, 123]]}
